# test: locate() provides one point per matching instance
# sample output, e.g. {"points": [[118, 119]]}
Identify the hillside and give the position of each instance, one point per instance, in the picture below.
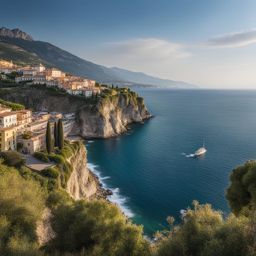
{"points": [[21, 48]]}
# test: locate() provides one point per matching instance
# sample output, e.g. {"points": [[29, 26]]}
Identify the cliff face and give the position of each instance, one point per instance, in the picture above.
{"points": [[106, 118], [111, 117], [81, 184]]}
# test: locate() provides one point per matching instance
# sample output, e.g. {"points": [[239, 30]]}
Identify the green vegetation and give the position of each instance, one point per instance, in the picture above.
{"points": [[60, 134], [48, 137], [27, 135], [241, 193], [99, 229], [55, 135], [13, 106], [42, 156], [51, 173], [205, 232], [12, 158], [61, 158], [21, 205]]}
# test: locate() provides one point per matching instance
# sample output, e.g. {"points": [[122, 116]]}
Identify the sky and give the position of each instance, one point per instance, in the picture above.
{"points": [[210, 43]]}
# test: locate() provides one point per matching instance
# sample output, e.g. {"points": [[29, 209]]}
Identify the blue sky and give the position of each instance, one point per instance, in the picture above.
{"points": [[211, 43]]}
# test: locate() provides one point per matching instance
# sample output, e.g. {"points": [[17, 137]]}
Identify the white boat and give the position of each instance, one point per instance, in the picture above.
{"points": [[201, 151]]}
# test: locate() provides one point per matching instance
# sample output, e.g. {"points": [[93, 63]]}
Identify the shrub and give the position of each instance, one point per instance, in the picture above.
{"points": [[21, 206], [41, 156], [13, 106], [51, 173], [96, 228], [12, 158], [242, 190], [27, 135], [57, 158]]}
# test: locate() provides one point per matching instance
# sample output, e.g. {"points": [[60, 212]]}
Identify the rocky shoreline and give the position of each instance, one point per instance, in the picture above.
{"points": [[102, 193]]}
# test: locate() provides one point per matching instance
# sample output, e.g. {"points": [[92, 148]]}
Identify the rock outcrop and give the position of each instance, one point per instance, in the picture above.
{"points": [[111, 117], [82, 184], [106, 118], [44, 229], [15, 33]]}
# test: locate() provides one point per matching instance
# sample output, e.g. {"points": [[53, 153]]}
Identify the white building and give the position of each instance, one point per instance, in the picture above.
{"points": [[39, 68], [8, 119], [33, 143]]}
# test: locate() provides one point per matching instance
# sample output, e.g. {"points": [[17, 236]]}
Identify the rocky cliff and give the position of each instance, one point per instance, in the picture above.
{"points": [[104, 117], [111, 116], [15, 33], [82, 184]]}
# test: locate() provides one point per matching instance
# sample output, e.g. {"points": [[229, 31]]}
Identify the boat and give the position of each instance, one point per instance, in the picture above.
{"points": [[201, 151]]}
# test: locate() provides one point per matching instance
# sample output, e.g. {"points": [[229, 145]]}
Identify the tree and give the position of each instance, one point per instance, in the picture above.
{"points": [[241, 193], [95, 228], [55, 135], [49, 145], [205, 232], [60, 134]]}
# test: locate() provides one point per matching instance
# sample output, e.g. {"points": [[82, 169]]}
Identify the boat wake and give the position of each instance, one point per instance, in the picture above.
{"points": [[116, 197], [188, 155]]}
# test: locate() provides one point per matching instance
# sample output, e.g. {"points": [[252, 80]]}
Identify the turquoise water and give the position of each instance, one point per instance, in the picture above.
{"points": [[146, 169]]}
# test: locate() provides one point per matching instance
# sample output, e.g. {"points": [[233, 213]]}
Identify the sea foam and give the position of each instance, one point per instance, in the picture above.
{"points": [[116, 197]]}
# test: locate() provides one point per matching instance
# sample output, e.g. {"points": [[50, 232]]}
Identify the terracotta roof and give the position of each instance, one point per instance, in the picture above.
{"points": [[7, 114]]}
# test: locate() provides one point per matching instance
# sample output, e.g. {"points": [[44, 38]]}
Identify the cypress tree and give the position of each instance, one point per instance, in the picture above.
{"points": [[60, 134], [55, 135], [48, 138]]}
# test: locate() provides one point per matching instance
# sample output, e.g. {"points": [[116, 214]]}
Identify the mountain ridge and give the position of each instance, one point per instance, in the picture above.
{"points": [[20, 47]]}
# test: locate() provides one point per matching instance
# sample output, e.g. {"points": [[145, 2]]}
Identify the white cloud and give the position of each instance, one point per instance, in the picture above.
{"points": [[149, 49], [238, 39]]}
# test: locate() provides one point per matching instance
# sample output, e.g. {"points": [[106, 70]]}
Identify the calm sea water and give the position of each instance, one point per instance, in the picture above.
{"points": [[146, 168]]}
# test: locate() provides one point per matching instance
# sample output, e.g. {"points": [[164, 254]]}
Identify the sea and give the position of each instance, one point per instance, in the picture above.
{"points": [[149, 169]]}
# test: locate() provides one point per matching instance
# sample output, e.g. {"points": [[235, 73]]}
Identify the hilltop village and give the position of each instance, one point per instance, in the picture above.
{"points": [[51, 77], [24, 130]]}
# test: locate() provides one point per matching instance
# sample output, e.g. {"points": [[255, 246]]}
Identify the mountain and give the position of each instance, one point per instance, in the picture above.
{"points": [[20, 47], [142, 78], [15, 33]]}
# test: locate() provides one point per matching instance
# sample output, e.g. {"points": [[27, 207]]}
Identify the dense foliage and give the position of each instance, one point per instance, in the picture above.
{"points": [[12, 158], [241, 193], [21, 205], [96, 228], [204, 232], [49, 140], [13, 106], [60, 134]]}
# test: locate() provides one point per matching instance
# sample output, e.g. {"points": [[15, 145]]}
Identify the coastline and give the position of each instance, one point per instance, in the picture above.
{"points": [[108, 193]]}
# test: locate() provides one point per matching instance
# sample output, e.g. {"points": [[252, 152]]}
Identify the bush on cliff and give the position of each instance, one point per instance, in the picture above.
{"points": [[12, 158], [51, 173], [241, 193], [21, 205], [41, 156], [13, 106], [205, 232], [96, 228]]}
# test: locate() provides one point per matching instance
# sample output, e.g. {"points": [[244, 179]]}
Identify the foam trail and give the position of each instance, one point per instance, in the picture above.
{"points": [[116, 197], [188, 155]]}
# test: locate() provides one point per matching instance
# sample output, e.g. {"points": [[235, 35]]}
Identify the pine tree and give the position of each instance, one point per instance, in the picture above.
{"points": [[60, 134], [48, 138], [55, 135]]}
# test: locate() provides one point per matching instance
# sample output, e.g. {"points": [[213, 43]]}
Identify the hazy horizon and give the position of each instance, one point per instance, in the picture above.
{"points": [[207, 43]]}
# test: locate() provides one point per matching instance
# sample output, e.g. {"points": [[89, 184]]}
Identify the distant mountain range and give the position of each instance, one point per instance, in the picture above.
{"points": [[20, 47]]}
